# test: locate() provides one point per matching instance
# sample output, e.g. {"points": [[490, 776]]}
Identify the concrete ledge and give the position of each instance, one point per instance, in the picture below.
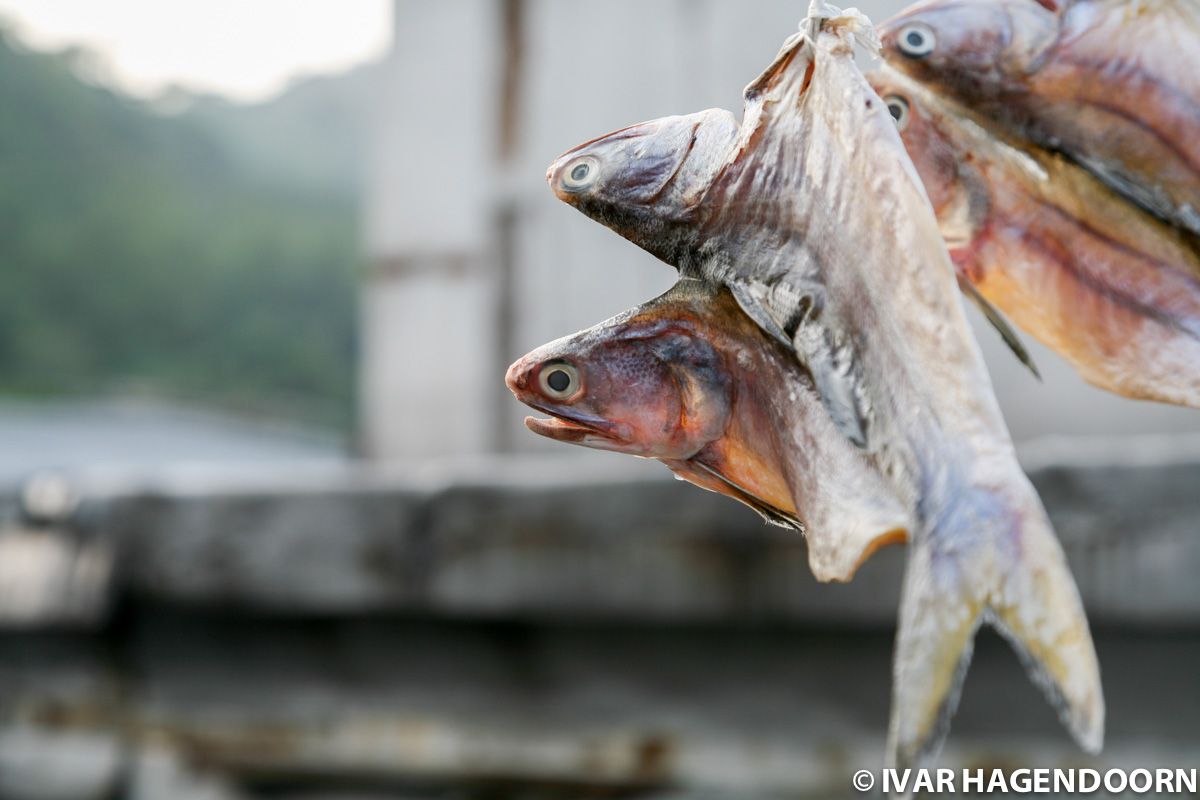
{"points": [[583, 537]]}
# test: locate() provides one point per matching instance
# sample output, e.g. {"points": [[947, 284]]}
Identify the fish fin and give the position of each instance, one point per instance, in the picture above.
{"points": [[754, 302], [837, 548], [1152, 201], [996, 318], [1043, 620], [706, 477], [831, 366], [995, 562]]}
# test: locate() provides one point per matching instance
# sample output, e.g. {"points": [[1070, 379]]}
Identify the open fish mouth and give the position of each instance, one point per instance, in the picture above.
{"points": [[564, 430], [587, 432]]}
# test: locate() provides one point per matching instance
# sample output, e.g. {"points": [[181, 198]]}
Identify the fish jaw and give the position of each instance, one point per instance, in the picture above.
{"points": [[570, 431]]}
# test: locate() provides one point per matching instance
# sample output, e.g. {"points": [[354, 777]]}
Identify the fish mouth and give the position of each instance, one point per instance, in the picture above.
{"points": [[562, 430], [586, 431]]}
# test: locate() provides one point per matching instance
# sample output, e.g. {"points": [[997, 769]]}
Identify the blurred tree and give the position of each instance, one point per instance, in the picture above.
{"points": [[311, 136], [137, 251]]}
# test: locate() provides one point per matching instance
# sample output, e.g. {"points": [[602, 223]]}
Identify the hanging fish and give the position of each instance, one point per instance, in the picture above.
{"points": [[689, 380], [812, 215], [1112, 288], [1114, 84]]}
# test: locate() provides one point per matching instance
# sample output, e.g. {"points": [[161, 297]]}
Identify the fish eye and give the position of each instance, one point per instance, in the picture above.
{"points": [[916, 40], [580, 173], [897, 106], [559, 380]]}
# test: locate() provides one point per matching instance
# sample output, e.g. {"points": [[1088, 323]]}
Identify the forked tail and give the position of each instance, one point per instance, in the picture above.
{"points": [[989, 558]]}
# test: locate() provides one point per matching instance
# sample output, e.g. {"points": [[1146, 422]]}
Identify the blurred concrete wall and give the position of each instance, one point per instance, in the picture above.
{"points": [[475, 262]]}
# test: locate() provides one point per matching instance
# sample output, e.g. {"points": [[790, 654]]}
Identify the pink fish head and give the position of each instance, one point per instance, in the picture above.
{"points": [[642, 385], [973, 46]]}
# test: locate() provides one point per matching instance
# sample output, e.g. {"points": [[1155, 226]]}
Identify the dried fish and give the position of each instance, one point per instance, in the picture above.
{"points": [[1114, 84], [689, 380], [812, 215], [1109, 286]]}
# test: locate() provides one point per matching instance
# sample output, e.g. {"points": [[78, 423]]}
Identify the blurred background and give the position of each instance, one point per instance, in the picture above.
{"points": [[270, 525]]}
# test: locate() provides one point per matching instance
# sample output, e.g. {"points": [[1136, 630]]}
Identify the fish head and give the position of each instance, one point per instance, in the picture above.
{"points": [[643, 383], [971, 48], [645, 181], [689, 379]]}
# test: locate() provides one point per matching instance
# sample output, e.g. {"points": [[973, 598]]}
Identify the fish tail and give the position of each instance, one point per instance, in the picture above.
{"points": [[989, 559]]}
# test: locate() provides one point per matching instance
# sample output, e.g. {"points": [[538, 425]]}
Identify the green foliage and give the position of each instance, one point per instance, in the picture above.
{"points": [[311, 136], [135, 252]]}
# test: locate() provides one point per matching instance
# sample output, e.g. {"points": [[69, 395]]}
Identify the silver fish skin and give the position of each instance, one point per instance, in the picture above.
{"points": [[1114, 84], [816, 221]]}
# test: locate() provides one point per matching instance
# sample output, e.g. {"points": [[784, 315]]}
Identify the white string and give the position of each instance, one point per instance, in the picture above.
{"points": [[859, 25]]}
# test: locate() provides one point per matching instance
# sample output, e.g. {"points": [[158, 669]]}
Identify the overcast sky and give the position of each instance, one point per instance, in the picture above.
{"points": [[244, 49]]}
